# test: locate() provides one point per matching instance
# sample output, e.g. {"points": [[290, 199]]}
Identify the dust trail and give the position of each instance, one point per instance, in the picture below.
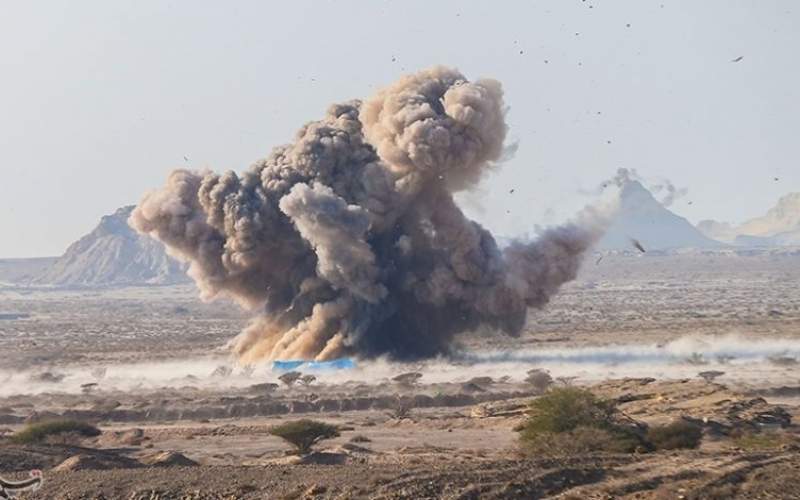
{"points": [[744, 361], [348, 241]]}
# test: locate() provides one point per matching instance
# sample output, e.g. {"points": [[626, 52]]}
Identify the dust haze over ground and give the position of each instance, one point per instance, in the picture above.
{"points": [[348, 241]]}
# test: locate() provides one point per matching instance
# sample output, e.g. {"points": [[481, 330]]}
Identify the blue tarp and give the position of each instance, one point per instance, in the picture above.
{"points": [[332, 365], [285, 366]]}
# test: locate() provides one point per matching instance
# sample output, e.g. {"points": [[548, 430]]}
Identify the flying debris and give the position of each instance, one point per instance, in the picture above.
{"points": [[348, 241], [637, 245], [737, 59], [511, 191]]}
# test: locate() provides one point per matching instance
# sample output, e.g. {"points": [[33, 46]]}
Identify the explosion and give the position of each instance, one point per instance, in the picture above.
{"points": [[348, 242]]}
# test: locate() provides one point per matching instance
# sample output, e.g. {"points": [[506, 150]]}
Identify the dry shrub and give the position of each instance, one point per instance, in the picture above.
{"points": [[41, 431], [400, 410], [583, 440], [677, 435], [539, 379], [757, 441]]}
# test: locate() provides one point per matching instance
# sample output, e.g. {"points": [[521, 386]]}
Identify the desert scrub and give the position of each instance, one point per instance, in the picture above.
{"points": [[677, 435], [565, 408], [303, 434], [757, 441], [42, 431], [570, 420], [583, 440]]}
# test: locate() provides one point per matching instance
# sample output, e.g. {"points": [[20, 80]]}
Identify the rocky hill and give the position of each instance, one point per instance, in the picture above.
{"points": [[643, 218], [114, 254], [780, 226]]}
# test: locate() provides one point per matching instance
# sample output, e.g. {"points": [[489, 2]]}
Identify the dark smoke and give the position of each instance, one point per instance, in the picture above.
{"points": [[348, 241]]}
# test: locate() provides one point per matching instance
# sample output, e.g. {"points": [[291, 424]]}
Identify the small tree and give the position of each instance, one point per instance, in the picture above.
{"points": [[303, 434], [539, 379], [566, 381], [400, 410], [222, 371], [710, 375], [289, 378], [724, 359], [307, 380], [782, 360], [88, 388], [696, 359]]}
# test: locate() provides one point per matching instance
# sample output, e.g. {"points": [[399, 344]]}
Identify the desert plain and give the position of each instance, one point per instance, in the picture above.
{"points": [[180, 418]]}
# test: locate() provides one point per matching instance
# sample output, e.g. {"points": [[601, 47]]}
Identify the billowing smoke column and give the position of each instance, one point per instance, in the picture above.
{"points": [[348, 241]]}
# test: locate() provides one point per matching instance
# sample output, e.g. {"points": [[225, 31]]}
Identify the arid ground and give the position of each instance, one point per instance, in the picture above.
{"points": [[180, 419]]}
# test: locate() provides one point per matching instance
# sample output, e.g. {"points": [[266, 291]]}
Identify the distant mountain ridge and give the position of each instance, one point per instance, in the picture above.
{"points": [[114, 254], [780, 226], [641, 217]]}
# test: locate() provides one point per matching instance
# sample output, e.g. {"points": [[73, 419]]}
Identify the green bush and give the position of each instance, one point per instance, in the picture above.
{"points": [[570, 420], [40, 431], [566, 408], [303, 434], [677, 435], [753, 441]]}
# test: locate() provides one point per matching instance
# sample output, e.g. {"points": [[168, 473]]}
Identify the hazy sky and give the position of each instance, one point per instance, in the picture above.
{"points": [[99, 100]]}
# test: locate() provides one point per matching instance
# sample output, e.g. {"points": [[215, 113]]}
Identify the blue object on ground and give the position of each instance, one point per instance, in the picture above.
{"points": [[285, 366], [332, 365]]}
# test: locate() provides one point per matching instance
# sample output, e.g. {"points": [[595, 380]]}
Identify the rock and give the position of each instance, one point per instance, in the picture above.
{"points": [[509, 408], [130, 437], [168, 459], [470, 387], [266, 387], [323, 458], [315, 489], [481, 381], [47, 377], [315, 458], [96, 462]]}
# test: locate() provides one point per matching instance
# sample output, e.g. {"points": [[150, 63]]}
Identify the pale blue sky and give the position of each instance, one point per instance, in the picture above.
{"points": [[100, 99]]}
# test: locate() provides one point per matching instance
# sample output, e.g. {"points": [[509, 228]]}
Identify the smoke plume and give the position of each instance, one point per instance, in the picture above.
{"points": [[626, 175], [348, 241]]}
